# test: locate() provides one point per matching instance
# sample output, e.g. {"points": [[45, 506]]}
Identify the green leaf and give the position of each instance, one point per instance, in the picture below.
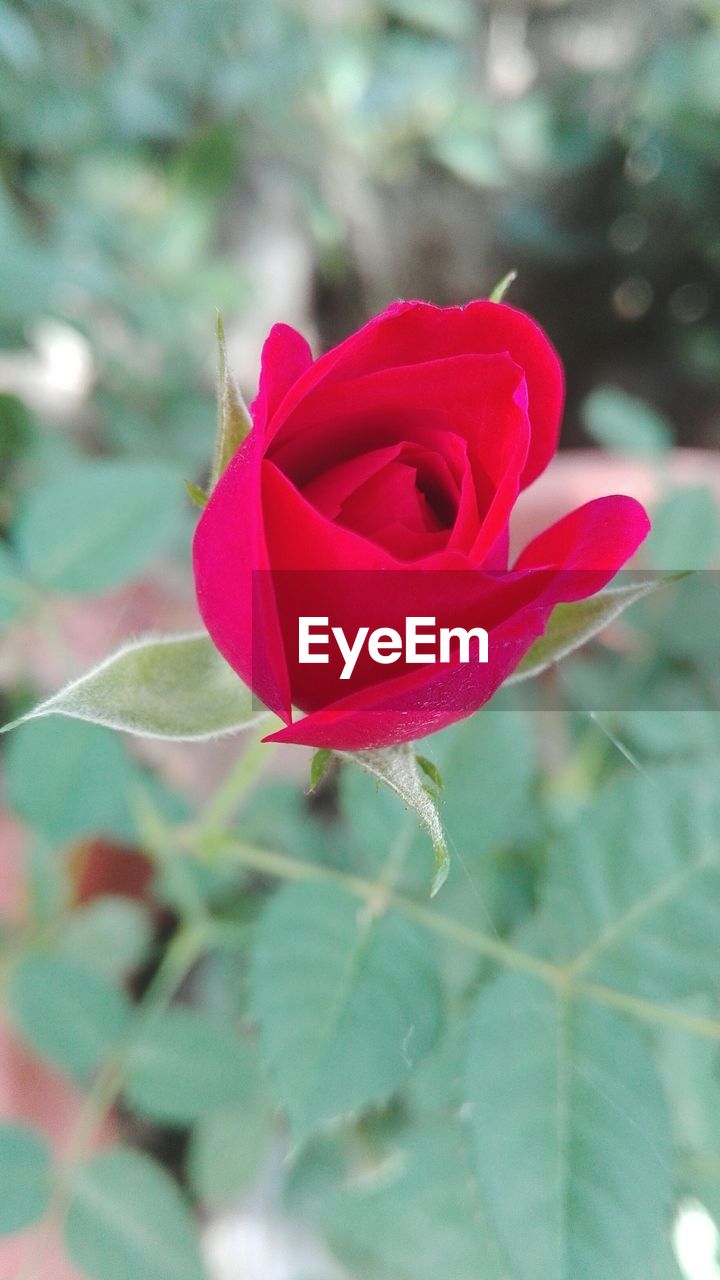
{"points": [[617, 420], [234, 421], [226, 1154], [397, 768], [632, 897], [183, 1064], [227, 1147], [98, 526], [111, 933], [69, 780], [24, 1177], [502, 286], [159, 687], [688, 1066], [347, 999], [686, 531], [416, 1215], [67, 1012], [572, 1147], [437, 1085], [572, 625], [128, 1221]]}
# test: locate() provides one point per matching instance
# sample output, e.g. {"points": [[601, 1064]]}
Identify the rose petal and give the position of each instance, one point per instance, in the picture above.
{"points": [[286, 356], [481, 399], [570, 561], [415, 333], [600, 535], [329, 490], [235, 605]]}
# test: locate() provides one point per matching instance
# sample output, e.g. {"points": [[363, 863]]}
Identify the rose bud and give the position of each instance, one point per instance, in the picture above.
{"points": [[377, 483]]}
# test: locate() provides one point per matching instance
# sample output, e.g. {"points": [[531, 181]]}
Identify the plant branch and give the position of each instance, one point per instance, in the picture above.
{"points": [[377, 896], [182, 953], [233, 788]]}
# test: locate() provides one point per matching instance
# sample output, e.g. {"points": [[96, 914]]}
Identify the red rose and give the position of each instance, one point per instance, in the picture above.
{"points": [[378, 482]]}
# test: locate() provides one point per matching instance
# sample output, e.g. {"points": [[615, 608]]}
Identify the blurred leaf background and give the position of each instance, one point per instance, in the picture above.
{"points": [[526, 1072]]}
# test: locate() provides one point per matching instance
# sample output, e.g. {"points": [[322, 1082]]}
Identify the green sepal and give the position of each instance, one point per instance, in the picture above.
{"points": [[319, 766], [234, 421], [197, 496], [502, 286], [397, 767]]}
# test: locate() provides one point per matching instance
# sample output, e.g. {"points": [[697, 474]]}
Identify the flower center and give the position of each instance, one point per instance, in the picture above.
{"points": [[403, 497]]}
